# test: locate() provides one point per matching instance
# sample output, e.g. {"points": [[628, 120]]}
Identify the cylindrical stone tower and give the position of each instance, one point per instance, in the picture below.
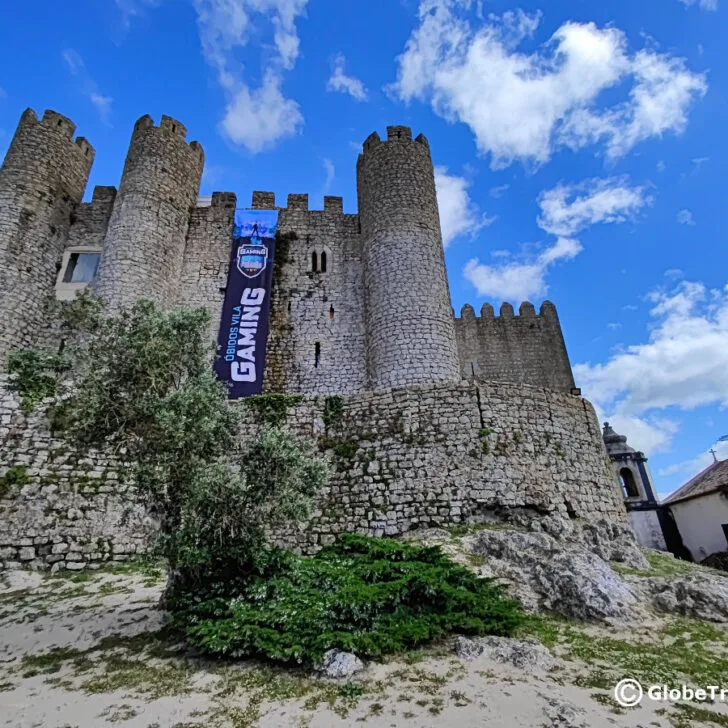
{"points": [[409, 319], [145, 242], [42, 180]]}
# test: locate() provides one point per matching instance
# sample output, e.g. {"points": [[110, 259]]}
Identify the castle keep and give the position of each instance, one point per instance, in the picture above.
{"points": [[448, 417]]}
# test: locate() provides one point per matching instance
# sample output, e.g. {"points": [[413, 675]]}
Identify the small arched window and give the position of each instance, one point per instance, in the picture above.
{"points": [[331, 312], [320, 260], [629, 485], [317, 355]]}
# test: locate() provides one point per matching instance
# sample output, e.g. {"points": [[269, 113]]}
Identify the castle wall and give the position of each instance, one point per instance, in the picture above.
{"points": [[145, 241], [317, 337], [526, 349], [91, 219], [433, 455], [207, 258], [42, 181]]}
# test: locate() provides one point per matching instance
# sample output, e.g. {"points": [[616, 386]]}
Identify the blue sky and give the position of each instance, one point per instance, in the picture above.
{"points": [[579, 149]]}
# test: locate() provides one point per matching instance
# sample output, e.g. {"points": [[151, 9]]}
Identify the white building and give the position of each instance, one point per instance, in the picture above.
{"points": [[700, 511]]}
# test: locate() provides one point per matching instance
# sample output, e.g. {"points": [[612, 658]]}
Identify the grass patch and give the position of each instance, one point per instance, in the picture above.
{"points": [[662, 565], [682, 650], [364, 595], [687, 715]]}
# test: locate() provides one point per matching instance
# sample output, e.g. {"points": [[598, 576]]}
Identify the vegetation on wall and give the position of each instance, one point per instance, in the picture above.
{"points": [[16, 476]]}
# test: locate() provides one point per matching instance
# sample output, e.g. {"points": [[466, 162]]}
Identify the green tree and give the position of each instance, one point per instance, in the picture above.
{"points": [[140, 383]]}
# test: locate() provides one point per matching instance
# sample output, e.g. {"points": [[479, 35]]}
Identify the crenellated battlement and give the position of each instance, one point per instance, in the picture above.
{"points": [[346, 276], [526, 311], [527, 347], [168, 129], [298, 202]]}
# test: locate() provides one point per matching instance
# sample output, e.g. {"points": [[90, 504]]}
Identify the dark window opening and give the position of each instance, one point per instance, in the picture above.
{"points": [[472, 368], [629, 486], [314, 261], [323, 261], [81, 267], [317, 355], [725, 531], [331, 312], [289, 307]]}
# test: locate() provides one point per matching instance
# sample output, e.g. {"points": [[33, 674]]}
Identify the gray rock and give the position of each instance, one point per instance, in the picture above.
{"points": [[560, 576], [467, 649], [700, 597], [337, 664], [524, 654], [564, 715]]}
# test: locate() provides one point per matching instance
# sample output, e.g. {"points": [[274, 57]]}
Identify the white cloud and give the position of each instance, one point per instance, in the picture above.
{"points": [[103, 105], [259, 118], [566, 210], [459, 216], [514, 281], [703, 4], [523, 106], [339, 81], [89, 88], [256, 118], [73, 60], [683, 364], [685, 217], [695, 465], [651, 435], [330, 174], [569, 209], [661, 166], [498, 191]]}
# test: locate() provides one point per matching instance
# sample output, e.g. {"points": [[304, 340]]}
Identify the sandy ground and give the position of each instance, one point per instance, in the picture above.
{"points": [[83, 652]]}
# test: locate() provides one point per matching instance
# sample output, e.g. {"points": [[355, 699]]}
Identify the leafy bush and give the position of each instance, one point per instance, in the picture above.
{"points": [[368, 596]]}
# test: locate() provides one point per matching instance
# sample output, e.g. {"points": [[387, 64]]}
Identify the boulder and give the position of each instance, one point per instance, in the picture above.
{"points": [[337, 664]]}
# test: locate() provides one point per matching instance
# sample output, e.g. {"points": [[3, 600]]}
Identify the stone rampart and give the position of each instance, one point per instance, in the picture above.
{"points": [[433, 455]]}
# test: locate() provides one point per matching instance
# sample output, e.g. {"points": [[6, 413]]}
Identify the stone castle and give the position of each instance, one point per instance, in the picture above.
{"points": [[363, 301], [445, 418]]}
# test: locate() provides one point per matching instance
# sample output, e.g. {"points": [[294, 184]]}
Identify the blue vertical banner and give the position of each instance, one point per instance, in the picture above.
{"points": [[246, 310]]}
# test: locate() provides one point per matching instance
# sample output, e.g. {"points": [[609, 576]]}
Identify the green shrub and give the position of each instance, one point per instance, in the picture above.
{"points": [[368, 596]]}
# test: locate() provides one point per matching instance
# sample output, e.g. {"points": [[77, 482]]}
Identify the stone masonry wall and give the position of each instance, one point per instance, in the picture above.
{"points": [[527, 348], [317, 338], [433, 455]]}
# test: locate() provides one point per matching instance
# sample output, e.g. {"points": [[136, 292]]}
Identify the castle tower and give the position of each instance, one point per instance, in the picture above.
{"points": [[42, 180], [145, 241], [409, 320], [630, 467]]}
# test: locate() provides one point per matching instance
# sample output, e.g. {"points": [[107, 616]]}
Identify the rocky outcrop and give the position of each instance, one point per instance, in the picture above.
{"points": [[567, 569], [562, 576]]}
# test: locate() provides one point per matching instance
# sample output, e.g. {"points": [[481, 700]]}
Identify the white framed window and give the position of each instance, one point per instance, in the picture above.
{"points": [[78, 269]]}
